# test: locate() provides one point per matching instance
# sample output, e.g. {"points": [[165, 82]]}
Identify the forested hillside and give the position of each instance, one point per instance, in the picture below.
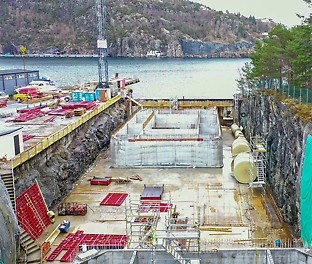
{"points": [[134, 27]]}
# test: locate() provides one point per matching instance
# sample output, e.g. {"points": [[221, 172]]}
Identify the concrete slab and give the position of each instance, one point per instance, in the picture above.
{"points": [[212, 193]]}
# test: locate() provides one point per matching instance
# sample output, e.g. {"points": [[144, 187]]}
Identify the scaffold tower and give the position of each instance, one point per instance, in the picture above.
{"points": [[156, 225], [259, 152]]}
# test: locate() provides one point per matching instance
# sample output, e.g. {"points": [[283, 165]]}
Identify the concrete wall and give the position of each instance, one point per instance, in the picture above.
{"points": [[235, 256], [170, 138]]}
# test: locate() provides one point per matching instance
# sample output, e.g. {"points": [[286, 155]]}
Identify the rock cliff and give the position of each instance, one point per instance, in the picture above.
{"points": [[276, 121], [172, 28], [9, 231], [68, 161]]}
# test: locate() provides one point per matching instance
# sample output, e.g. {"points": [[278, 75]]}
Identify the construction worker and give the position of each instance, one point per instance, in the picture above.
{"points": [[51, 214]]}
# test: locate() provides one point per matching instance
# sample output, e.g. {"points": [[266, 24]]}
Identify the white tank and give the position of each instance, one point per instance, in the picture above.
{"points": [[234, 128], [238, 133], [244, 170], [240, 145]]}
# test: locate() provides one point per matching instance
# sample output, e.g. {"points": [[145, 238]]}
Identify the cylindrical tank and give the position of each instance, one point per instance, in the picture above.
{"points": [[234, 128], [238, 133], [240, 145], [245, 170]]}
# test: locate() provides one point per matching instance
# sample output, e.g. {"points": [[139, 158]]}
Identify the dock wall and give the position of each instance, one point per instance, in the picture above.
{"points": [[278, 121], [59, 166]]}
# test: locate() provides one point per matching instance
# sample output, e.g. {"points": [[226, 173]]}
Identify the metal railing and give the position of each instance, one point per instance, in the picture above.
{"points": [[54, 137]]}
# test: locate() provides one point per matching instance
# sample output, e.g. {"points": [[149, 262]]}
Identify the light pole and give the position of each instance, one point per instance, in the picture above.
{"points": [[23, 51]]}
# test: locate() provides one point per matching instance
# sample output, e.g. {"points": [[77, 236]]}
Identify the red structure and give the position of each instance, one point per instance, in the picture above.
{"points": [[153, 206], [72, 242], [101, 181], [32, 212], [114, 199], [74, 105]]}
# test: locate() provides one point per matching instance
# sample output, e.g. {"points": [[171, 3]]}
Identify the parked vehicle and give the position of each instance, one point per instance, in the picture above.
{"points": [[4, 96], [64, 226]]}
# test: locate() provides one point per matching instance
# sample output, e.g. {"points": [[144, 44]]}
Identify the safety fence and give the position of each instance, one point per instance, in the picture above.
{"points": [[56, 136], [208, 245], [301, 95]]}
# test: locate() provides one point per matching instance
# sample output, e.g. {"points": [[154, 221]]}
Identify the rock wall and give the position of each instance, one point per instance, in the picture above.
{"points": [[9, 230], [277, 122], [192, 48], [58, 168]]}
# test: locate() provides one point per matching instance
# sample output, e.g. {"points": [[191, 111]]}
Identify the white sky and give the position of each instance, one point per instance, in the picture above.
{"points": [[281, 11]]}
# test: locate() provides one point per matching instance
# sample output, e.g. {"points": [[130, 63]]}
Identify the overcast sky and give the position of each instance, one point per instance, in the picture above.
{"points": [[282, 11]]}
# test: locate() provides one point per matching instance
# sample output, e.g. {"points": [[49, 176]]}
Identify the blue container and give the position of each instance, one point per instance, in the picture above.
{"points": [[90, 96], [77, 96], [98, 93]]}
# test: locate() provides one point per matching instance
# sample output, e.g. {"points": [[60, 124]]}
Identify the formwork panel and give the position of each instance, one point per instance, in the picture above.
{"points": [[164, 139]]}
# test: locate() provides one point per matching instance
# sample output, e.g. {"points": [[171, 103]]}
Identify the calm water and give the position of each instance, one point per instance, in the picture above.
{"points": [[159, 78]]}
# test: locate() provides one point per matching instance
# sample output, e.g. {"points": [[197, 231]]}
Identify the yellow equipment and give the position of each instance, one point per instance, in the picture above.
{"points": [[51, 214]]}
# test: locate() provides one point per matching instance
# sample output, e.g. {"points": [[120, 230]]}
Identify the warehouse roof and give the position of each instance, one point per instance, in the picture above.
{"points": [[13, 71]]}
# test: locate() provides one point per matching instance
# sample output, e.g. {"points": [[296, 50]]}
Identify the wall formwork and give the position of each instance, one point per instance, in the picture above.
{"points": [[169, 138]]}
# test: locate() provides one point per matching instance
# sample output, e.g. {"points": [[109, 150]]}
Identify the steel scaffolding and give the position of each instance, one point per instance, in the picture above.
{"points": [[259, 157]]}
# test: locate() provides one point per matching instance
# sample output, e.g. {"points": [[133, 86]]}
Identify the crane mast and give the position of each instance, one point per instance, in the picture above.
{"points": [[102, 43]]}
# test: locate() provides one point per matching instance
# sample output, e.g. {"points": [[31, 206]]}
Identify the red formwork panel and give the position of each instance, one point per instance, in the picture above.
{"points": [[114, 199], [101, 181], [32, 212], [153, 206], [72, 242]]}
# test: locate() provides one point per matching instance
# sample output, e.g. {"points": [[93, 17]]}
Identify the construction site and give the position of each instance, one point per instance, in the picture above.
{"points": [[176, 186], [123, 181]]}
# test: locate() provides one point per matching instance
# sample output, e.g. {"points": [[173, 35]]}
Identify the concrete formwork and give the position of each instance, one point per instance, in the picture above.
{"points": [[169, 138]]}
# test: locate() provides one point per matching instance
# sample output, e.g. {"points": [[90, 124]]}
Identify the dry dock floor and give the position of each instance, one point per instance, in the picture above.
{"points": [[220, 199]]}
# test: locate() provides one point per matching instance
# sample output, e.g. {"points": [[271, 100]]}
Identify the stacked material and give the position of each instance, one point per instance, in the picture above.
{"points": [[27, 115], [86, 104], [244, 169], [79, 111]]}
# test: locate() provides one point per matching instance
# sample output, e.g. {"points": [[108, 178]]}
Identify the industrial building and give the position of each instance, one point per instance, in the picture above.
{"points": [[11, 79], [169, 138]]}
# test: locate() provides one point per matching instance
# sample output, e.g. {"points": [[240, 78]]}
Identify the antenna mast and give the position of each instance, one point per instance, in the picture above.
{"points": [[102, 43]]}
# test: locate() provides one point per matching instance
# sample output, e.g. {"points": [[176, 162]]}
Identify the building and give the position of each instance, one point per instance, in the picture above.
{"points": [[13, 78], [11, 143]]}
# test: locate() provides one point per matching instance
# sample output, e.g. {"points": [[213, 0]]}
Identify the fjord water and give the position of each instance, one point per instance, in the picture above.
{"points": [[159, 77]]}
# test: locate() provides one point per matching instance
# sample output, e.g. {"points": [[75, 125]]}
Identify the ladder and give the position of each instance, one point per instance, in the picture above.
{"points": [[269, 258], [236, 108], [177, 256], [34, 210], [133, 257], [258, 146]]}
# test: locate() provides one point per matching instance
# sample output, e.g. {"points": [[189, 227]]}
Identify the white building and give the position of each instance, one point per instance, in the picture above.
{"points": [[11, 143]]}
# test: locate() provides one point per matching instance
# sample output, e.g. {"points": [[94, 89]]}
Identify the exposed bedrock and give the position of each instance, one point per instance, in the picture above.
{"points": [[58, 168], [277, 121], [9, 230]]}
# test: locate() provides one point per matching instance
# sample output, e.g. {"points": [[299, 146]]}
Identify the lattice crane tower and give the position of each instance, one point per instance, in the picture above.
{"points": [[102, 43]]}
